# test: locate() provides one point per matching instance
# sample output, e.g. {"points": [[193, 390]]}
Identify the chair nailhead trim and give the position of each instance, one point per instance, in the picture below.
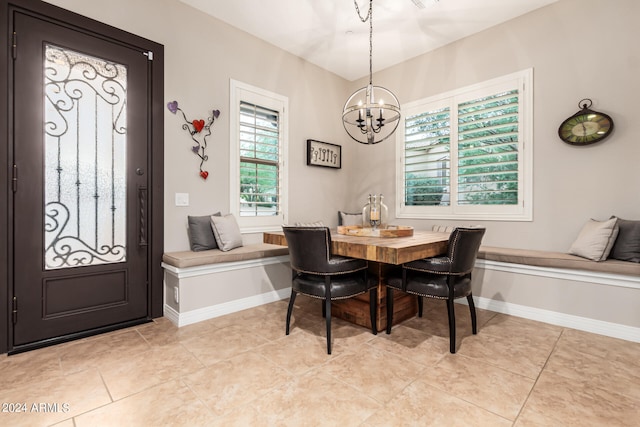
{"points": [[332, 299], [439, 272], [426, 296], [315, 273]]}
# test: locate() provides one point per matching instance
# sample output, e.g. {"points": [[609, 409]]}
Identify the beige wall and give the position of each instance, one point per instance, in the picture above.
{"points": [[577, 48], [201, 55]]}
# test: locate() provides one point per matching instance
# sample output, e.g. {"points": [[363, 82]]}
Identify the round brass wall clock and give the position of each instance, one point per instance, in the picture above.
{"points": [[586, 126]]}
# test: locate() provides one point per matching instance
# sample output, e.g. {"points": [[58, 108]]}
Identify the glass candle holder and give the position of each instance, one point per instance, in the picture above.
{"points": [[366, 214], [374, 215], [384, 213]]}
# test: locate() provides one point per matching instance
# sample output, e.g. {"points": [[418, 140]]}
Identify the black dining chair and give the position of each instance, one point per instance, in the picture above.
{"points": [[319, 274], [445, 277]]}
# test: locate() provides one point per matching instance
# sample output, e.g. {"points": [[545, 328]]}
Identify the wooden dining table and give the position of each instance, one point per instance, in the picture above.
{"points": [[385, 256]]}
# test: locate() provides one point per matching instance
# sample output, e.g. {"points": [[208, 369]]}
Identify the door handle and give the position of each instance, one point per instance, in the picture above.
{"points": [[142, 210]]}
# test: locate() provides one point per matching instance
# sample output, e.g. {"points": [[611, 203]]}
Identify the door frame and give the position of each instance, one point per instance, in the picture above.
{"points": [[155, 146]]}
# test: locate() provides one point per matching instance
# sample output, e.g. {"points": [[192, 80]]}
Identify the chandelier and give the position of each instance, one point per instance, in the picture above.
{"points": [[372, 113]]}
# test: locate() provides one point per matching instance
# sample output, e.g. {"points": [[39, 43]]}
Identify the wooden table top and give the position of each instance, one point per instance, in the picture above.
{"points": [[389, 250]]}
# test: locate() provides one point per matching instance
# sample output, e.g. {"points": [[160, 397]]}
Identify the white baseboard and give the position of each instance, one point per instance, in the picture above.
{"points": [[171, 314], [195, 316], [614, 330]]}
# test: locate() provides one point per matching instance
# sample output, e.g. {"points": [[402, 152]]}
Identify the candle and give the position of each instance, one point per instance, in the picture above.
{"points": [[375, 215]]}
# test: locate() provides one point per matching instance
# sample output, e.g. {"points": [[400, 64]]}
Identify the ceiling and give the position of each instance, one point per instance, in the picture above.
{"points": [[330, 34]]}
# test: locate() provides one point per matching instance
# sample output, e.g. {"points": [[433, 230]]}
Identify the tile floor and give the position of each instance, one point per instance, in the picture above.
{"points": [[241, 370]]}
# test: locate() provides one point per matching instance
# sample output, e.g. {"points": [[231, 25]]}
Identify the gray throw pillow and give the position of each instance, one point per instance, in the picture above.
{"points": [[627, 244], [345, 218], [201, 236], [227, 232]]}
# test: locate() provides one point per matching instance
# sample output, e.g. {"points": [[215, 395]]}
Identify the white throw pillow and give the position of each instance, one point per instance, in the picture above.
{"points": [[350, 218], [595, 239], [227, 232], [309, 224]]}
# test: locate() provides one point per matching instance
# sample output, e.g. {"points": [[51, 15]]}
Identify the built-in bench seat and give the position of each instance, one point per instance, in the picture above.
{"points": [[206, 284], [550, 259], [185, 259], [561, 289], [557, 260]]}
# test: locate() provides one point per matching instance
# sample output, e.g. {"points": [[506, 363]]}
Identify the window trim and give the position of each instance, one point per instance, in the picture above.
{"points": [[239, 91], [523, 211]]}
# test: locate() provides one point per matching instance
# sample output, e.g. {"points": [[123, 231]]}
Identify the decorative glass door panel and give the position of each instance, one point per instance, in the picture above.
{"points": [[85, 159], [81, 148]]}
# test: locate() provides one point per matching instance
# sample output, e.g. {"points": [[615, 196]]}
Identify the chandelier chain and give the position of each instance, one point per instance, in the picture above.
{"points": [[366, 117], [360, 14], [370, 18]]}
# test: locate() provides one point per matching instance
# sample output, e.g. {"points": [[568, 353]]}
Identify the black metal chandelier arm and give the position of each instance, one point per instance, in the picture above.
{"points": [[364, 130]]}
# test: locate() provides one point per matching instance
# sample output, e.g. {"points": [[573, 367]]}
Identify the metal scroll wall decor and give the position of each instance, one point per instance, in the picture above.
{"points": [[85, 158], [195, 128]]}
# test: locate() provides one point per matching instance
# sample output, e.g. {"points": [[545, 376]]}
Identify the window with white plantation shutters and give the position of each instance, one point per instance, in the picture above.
{"points": [[259, 161], [258, 173], [488, 145], [467, 154], [427, 158]]}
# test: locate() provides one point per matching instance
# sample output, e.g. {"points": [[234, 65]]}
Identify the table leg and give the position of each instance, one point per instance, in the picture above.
{"points": [[356, 310]]}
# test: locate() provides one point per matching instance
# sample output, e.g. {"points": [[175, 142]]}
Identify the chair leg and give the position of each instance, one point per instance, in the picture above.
{"points": [[389, 309], [452, 326], [327, 309], [472, 309], [328, 312], [290, 309], [420, 305], [373, 308], [324, 311]]}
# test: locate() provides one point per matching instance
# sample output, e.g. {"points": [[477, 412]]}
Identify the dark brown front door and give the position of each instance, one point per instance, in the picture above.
{"points": [[80, 128]]}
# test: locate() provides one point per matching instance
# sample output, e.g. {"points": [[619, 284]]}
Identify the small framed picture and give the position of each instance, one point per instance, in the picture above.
{"points": [[324, 154]]}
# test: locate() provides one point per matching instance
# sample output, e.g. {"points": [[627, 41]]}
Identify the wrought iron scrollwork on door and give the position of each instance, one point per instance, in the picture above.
{"points": [[85, 159]]}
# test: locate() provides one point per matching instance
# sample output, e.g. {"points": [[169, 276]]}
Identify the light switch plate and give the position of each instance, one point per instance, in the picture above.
{"points": [[182, 199]]}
